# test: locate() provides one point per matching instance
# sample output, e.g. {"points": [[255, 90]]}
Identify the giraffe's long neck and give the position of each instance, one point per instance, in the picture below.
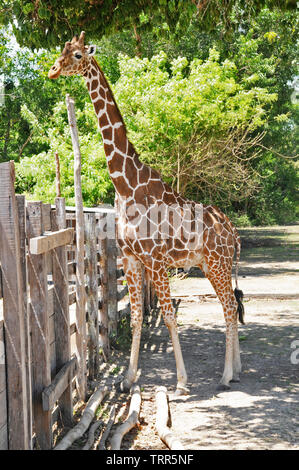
{"points": [[123, 162]]}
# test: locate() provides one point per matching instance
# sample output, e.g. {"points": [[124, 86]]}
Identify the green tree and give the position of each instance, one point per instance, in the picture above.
{"points": [[49, 23]]}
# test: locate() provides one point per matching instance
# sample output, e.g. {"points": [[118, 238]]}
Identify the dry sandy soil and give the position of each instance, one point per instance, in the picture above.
{"points": [[260, 412]]}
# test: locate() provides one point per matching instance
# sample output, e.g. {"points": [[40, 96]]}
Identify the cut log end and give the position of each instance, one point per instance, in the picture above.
{"points": [[131, 421], [162, 413]]}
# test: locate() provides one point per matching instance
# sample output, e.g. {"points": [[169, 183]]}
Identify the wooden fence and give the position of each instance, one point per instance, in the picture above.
{"points": [[49, 338]]}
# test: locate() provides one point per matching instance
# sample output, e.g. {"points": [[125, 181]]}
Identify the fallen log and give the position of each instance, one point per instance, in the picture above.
{"points": [[92, 430], [131, 420], [87, 416], [163, 430], [110, 423]]}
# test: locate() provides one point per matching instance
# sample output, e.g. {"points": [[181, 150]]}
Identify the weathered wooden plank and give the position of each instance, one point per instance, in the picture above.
{"points": [[39, 320], [92, 296], [13, 311], [81, 297], [23, 259], [46, 223], [53, 360], [3, 403], [121, 294], [62, 381], [71, 266], [3, 409], [103, 313], [71, 296], [99, 210], [4, 437], [1, 290], [112, 278], [44, 243], [50, 299], [2, 361], [61, 308], [73, 328], [46, 211], [52, 329], [57, 179]]}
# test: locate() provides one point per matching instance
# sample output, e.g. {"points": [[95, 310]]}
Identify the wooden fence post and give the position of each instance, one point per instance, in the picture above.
{"points": [[23, 258], [41, 367], [112, 275], [61, 309], [57, 167], [92, 296], [80, 280], [13, 311], [103, 314]]}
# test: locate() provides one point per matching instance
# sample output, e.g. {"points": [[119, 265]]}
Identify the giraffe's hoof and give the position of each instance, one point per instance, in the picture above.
{"points": [[235, 380], [223, 387], [181, 390]]}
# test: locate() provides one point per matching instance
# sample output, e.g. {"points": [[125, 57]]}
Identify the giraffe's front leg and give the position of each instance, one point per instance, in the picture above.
{"points": [[133, 272]]}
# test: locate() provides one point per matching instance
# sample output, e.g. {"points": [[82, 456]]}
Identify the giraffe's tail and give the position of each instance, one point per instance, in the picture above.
{"points": [[238, 293]]}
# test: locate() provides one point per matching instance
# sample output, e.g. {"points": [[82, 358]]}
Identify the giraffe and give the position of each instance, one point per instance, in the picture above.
{"points": [[157, 227]]}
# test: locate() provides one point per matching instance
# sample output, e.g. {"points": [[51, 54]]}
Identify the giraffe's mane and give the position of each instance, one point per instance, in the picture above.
{"points": [[109, 88]]}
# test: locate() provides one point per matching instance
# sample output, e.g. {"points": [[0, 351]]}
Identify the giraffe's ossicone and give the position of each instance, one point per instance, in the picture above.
{"points": [[157, 227]]}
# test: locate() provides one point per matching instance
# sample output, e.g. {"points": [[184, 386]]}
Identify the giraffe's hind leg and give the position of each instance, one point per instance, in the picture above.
{"points": [[221, 281]]}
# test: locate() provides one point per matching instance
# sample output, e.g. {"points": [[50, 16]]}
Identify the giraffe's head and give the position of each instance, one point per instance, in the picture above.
{"points": [[75, 58]]}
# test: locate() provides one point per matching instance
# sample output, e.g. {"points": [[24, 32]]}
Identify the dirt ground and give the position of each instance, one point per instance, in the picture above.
{"points": [[260, 412]]}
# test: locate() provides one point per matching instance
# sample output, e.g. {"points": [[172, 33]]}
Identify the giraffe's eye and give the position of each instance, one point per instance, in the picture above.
{"points": [[78, 55]]}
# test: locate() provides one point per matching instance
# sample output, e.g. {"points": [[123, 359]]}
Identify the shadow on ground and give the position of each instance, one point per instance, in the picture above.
{"points": [[259, 412]]}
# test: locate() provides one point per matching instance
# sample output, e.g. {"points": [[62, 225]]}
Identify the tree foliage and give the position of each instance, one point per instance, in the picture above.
{"points": [[209, 101], [40, 23]]}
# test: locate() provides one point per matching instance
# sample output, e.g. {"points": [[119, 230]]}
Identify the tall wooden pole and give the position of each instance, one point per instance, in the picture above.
{"points": [[92, 298], [61, 308], [57, 166], [39, 321], [80, 281]]}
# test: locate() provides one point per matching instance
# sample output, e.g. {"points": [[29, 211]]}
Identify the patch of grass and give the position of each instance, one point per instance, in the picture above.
{"points": [[101, 411], [242, 338], [124, 335], [115, 371]]}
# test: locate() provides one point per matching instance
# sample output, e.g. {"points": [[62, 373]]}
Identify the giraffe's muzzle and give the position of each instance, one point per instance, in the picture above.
{"points": [[54, 71]]}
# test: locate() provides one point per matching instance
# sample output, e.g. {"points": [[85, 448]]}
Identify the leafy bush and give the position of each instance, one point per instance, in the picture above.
{"points": [[275, 201], [241, 220]]}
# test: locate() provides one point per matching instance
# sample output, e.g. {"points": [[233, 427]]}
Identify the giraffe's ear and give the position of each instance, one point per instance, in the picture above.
{"points": [[91, 50]]}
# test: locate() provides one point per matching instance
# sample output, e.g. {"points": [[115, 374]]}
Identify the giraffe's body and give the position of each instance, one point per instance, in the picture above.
{"points": [[156, 226]]}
